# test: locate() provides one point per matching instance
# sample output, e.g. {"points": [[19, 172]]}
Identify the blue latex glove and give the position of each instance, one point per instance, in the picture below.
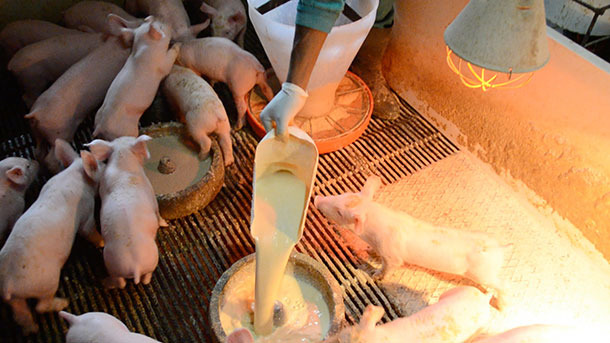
{"points": [[283, 107]]}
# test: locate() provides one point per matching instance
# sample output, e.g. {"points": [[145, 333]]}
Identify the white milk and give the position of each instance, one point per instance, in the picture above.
{"points": [[307, 314], [280, 199]]}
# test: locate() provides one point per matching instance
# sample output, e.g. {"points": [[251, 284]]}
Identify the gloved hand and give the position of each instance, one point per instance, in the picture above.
{"points": [[283, 107]]}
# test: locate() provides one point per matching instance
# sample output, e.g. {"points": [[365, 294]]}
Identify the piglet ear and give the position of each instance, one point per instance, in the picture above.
{"points": [[64, 152], [69, 317], [100, 149], [195, 29], [127, 35], [371, 186], [121, 27], [372, 314], [207, 9], [237, 18], [16, 175], [139, 147], [116, 22], [154, 32], [89, 164], [241, 335]]}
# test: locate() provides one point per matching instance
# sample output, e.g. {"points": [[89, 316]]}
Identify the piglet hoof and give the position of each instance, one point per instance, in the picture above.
{"points": [[378, 275], [240, 122], [162, 222], [29, 328], [51, 305], [203, 155], [146, 278], [112, 282], [499, 301]]}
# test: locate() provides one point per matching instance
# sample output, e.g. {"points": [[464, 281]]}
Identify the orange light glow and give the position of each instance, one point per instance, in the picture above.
{"points": [[477, 77]]}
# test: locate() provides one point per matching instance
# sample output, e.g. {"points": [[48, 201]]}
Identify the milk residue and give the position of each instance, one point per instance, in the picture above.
{"points": [[279, 199], [307, 314]]}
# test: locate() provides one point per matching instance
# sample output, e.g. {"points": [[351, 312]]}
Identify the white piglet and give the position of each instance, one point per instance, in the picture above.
{"points": [[39, 64], [41, 240], [219, 59], [229, 19], [459, 314], [92, 16], [134, 88], [16, 175], [58, 111], [399, 238], [547, 333], [17, 34], [100, 327], [129, 215], [200, 109], [170, 12]]}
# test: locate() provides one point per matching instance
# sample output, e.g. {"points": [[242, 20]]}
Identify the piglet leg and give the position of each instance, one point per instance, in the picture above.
{"points": [[23, 316], [90, 233], [226, 145], [205, 144], [386, 265], [114, 282], [146, 278], [51, 304], [240, 104], [170, 58]]}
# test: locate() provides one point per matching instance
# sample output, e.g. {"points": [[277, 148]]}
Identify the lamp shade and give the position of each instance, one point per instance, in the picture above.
{"points": [[503, 35]]}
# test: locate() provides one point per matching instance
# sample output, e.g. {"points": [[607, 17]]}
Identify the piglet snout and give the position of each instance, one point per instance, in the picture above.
{"points": [[316, 200]]}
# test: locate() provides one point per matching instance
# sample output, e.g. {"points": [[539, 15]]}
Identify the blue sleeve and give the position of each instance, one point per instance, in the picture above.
{"points": [[319, 14]]}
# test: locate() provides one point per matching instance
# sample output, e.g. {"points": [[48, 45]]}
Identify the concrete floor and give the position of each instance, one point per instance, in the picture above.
{"points": [[554, 275]]}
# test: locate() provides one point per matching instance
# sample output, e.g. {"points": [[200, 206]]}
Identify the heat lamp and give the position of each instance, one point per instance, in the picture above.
{"points": [[497, 43]]}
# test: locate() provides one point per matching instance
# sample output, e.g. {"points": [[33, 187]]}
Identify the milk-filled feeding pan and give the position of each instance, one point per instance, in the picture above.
{"points": [[183, 183], [339, 105], [230, 306]]}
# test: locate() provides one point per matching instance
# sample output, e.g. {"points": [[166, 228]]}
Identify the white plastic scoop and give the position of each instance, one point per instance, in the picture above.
{"points": [[284, 173]]}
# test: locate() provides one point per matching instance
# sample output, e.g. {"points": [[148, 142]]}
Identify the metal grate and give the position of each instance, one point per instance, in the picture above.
{"points": [[197, 249]]}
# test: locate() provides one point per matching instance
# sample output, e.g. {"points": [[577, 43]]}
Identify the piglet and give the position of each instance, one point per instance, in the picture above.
{"points": [[399, 238], [16, 175], [219, 59], [41, 240], [169, 12], [228, 19], [200, 109], [39, 64], [459, 314], [20, 33], [100, 327], [80, 90], [92, 16], [135, 87], [548, 333], [129, 215]]}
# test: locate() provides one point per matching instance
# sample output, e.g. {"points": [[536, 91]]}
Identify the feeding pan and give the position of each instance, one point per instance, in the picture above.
{"points": [[183, 183]]}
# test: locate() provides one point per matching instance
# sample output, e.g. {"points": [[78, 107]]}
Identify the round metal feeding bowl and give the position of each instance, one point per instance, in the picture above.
{"points": [[183, 184], [305, 268], [340, 126]]}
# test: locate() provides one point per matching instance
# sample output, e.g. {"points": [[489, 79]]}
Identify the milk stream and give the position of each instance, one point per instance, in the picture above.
{"points": [[279, 202]]}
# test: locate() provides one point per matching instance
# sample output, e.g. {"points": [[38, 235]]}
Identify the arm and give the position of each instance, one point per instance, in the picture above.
{"points": [[305, 50], [314, 21]]}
